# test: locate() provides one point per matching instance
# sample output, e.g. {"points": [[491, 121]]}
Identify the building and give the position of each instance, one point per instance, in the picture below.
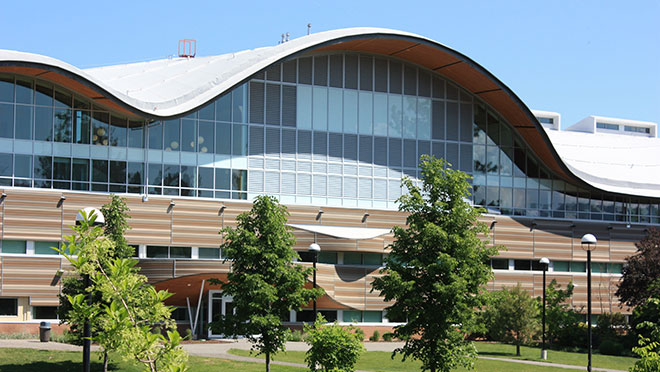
{"points": [[328, 123]]}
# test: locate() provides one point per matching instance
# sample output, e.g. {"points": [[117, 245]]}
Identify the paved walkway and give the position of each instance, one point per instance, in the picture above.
{"points": [[221, 350]]}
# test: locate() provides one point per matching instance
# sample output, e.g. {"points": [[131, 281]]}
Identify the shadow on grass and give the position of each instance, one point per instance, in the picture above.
{"points": [[496, 354], [61, 366]]}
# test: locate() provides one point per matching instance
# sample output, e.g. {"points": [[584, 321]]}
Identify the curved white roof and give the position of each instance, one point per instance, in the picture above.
{"points": [[174, 86], [611, 162]]}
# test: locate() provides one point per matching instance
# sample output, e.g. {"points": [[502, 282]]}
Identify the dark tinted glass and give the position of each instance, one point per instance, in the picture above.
{"points": [[62, 125], [118, 132], [188, 135], [43, 124], [100, 170], [80, 170], [136, 173], [6, 165], [205, 178], [205, 139], [136, 134], [223, 138], [117, 171], [61, 168], [82, 122], [171, 175], [171, 138], [156, 135], [6, 121]]}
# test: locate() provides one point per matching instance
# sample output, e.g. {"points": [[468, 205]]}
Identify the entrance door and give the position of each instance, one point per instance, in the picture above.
{"points": [[219, 305]]}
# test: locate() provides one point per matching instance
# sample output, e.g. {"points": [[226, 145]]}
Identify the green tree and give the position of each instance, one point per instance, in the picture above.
{"points": [[115, 213], [640, 271], [264, 281], [129, 308], [436, 269], [561, 320], [649, 347], [332, 347], [513, 316]]}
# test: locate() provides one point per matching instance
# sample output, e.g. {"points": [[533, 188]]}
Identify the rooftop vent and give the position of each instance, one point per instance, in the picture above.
{"points": [[187, 48]]}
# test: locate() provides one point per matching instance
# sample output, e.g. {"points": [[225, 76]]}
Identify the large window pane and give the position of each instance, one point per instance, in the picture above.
{"points": [[23, 166], [171, 139], [24, 92], [155, 174], [81, 170], [81, 125], [61, 168], [239, 180], [136, 173], [304, 107], [380, 114], [188, 135], [395, 115], [222, 179], [335, 111], [24, 122], [365, 118], [62, 125], [350, 111], [43, 166], [223, 108], [423, 118], [239, 103], [209, 253], [6, 165], [409, 117], [205, 139], [6, 88], [100, 128], [100, 170], [43, 124], [118, 172], [156, 135], [118, 132], [239, 142], [205, 178], [6, 120], [180, 252], [223, 138], [171, 175], [320, 109], [136, 133], [188, 176]]}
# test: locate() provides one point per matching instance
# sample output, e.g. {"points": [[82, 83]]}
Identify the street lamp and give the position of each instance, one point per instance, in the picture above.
{"points": [[589, 244], [87, 332], [544, 264], [314, 249]]}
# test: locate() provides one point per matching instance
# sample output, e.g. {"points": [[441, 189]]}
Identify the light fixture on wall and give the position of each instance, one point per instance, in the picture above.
{"points": [[61, 201], [318, 215], [492, 224], [3, 197], [222, 210], [171, 206], [364, 218]]}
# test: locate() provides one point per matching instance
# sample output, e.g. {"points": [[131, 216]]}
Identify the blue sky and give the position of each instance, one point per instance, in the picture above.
{"points": [[577, 58]]}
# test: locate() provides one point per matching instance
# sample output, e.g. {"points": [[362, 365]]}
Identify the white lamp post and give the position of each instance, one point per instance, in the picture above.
{"points": [[589, 244], [544, 263], [314, 249]]}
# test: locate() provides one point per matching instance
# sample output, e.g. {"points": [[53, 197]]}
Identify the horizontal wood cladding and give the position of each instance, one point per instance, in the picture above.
{"points": [[603, 287], [32, 215], [30, 276]]}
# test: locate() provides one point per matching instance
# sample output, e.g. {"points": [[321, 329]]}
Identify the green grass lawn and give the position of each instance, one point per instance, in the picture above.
{"points": [[498, 350], [382, 361], [27, 360]]}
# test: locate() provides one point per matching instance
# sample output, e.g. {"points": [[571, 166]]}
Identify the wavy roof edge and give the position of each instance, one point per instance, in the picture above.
{"points": [[173, 87]]}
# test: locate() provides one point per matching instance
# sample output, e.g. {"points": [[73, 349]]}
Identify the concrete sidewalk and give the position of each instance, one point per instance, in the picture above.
{"points": [[221, 350]]}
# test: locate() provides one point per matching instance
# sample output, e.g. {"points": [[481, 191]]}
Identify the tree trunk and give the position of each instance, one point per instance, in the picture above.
{"points": [[267, 362], [105, 361], [518, 350]]}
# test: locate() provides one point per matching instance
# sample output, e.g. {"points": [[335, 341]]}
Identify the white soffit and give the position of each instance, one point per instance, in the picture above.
{"points": [[343, 232]]}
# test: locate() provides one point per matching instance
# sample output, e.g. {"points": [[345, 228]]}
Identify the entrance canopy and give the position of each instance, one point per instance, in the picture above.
{"points": [[343, 232]]}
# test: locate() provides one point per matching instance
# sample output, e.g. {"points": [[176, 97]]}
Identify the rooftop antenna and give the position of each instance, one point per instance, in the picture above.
{"points": [[187, 48], [287, 37], [282, 40], [309, 28]]}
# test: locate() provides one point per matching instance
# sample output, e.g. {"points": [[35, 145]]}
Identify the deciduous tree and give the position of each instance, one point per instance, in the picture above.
{"points": [[513, 314], [129, 308], [436, 268], [264, 281], [640, 270]]}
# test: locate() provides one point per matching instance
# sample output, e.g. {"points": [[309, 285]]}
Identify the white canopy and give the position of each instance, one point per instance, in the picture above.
{"points": [[343, 232]]}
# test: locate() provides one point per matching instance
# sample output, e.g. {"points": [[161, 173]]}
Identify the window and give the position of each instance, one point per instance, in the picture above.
{"points": [[561, 266], [156, 251], [180, 314], [307, 316], [352, 316], [499, 263], [546, 120], [521, 265], [8, 307], [209, 253], [45, 248], [607, 126], [14, 246], [44, 312], [629, 128]]}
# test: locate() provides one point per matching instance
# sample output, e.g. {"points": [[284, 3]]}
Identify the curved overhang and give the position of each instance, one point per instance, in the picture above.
{"points": [[174, 87]]}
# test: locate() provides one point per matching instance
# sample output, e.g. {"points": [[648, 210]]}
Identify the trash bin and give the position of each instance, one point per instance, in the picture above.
{"points": [[44, 331]]}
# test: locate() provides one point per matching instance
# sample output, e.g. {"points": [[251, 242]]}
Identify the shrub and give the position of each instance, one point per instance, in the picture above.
{"points": [[296, 336], [332, 348], [611, 347], [375, 336], [388, 336], [359, 332]]}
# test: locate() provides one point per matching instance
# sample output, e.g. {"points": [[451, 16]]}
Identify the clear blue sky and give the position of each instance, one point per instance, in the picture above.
{"points": [[577, 58]]}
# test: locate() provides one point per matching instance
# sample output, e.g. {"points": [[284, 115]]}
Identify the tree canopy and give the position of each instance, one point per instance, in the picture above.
{"points": [[264, 281], [640, 271], [436, 268]]}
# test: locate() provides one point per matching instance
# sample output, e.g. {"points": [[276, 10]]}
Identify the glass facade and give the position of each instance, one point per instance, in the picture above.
{"points": [[329, 129]]}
